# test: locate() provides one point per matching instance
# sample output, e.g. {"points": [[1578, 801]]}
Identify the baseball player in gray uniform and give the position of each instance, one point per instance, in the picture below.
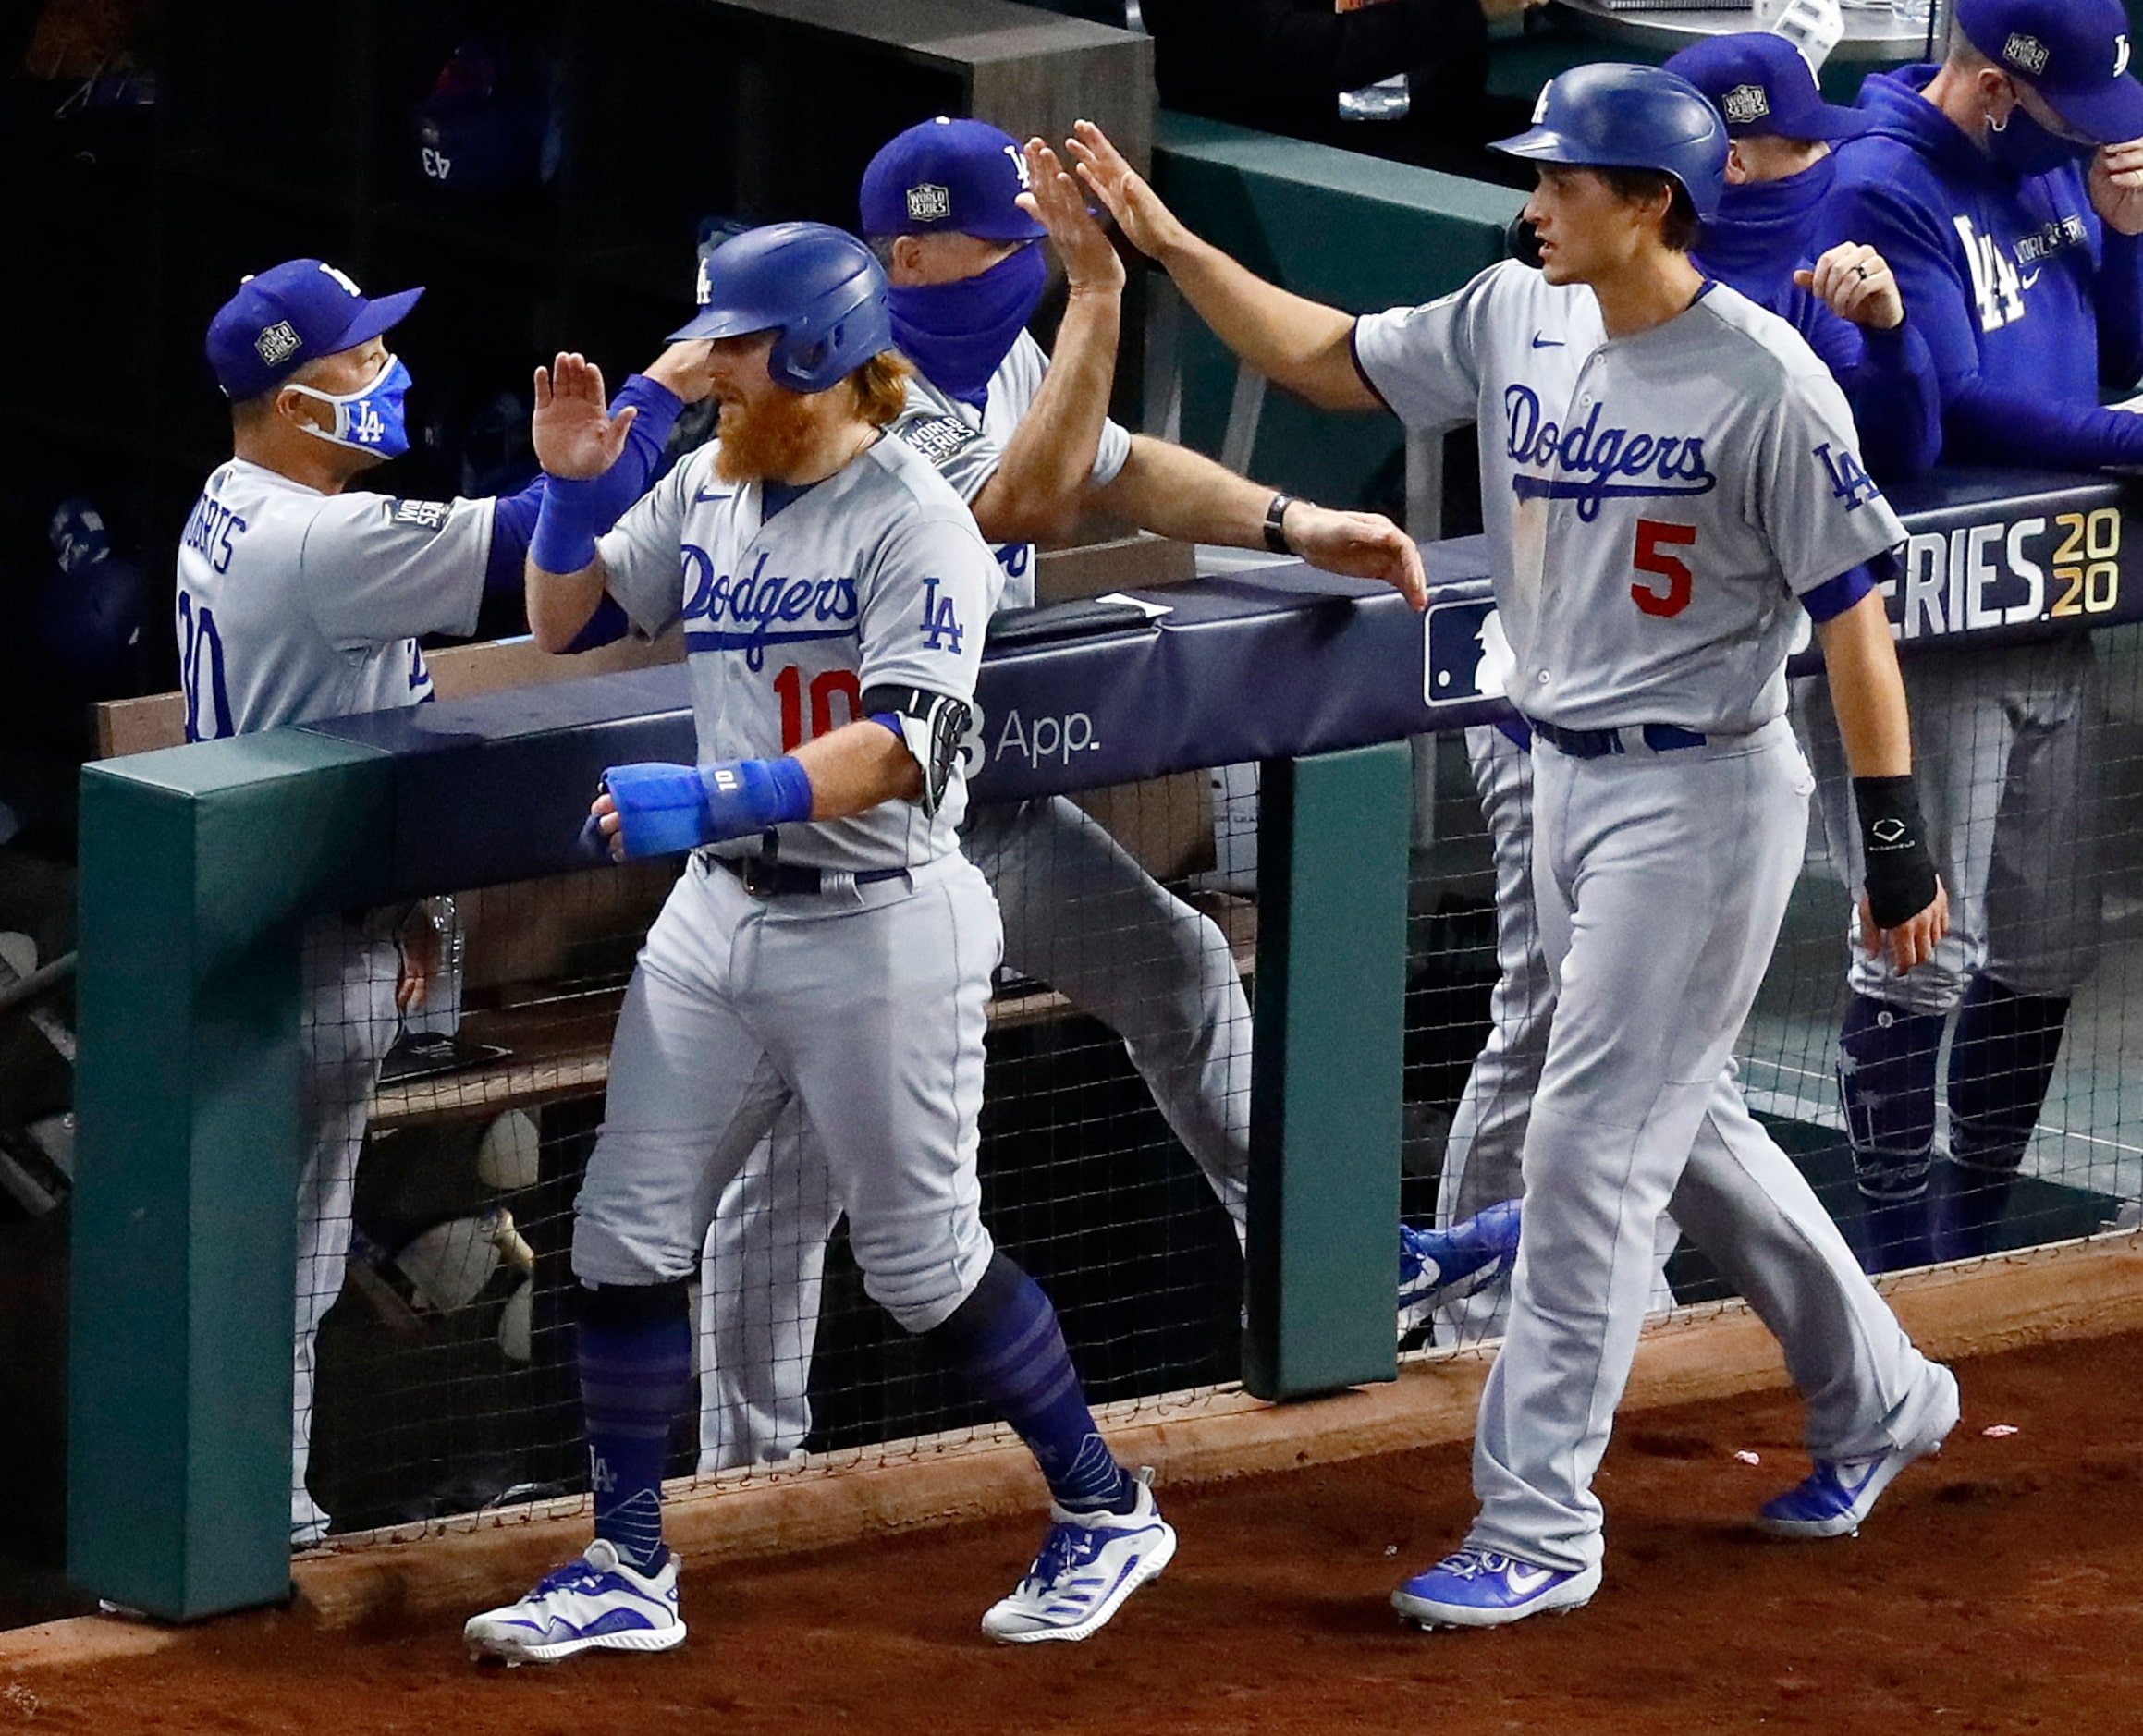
{"points": [[300, 596], [828, 946], [956, 209], [1670, 481]]}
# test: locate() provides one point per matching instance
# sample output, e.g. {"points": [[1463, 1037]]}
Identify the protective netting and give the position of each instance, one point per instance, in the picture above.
{"points": [[1986, 1093], [1114, 1149]]}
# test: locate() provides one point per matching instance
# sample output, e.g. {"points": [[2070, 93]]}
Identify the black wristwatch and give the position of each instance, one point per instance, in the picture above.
{"points": [[1275, 517]]}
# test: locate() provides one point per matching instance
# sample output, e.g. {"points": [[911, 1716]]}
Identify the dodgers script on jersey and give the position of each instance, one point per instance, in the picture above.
{"points": [[967, 447], [294, 605], [1654, 503], [875, 576]]}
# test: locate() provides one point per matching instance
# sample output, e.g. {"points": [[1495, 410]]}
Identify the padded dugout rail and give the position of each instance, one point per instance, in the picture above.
{"points": [[199, 865]]}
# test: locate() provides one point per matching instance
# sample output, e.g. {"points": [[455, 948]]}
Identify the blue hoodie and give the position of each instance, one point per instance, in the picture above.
{"points": [[2030, 307], [1757, 242]]}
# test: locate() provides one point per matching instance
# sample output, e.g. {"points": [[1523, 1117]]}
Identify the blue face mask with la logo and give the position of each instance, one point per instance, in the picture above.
{"points": [[372, 419]]}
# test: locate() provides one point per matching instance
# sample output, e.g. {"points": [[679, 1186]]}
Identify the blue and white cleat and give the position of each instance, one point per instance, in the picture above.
{"points": [[1832, 1499], [1089, 1564], [1441, 1265], [596, 1601], [1479, 1588]]}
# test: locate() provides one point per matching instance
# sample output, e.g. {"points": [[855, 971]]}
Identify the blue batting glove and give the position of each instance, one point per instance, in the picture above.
{"points": [[662, 809]]}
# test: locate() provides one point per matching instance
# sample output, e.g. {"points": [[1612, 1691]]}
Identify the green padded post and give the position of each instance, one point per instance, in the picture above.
{"points": [[1325, 1094], [199, 867]]}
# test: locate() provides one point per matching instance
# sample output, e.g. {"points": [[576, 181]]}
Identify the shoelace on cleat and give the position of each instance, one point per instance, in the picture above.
{"points": [[573, 1576], [1473, 1563], [1064, 1550]]}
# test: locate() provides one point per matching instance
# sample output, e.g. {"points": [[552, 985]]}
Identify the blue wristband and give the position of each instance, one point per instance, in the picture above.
{"points": [[662, 809], [567, 525]]}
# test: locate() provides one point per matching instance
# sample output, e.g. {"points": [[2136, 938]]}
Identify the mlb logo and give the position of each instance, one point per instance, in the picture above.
{"points": [[2026, 52], [1745, 103], [1467, 658], [277, 344], [929, 203]]}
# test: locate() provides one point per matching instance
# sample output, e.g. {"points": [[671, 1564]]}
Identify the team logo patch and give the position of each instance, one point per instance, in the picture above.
{"points": [[277, 344], [938, 439], [1745, 103], [929, 203], [2024, 52], [426, 515]]}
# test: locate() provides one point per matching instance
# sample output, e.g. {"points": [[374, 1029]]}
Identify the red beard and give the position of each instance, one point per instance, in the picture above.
{"points": [[771, 439]]}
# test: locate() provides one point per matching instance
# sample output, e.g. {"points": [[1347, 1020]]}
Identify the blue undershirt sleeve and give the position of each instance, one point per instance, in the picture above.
{"points": [[1835, 596]]}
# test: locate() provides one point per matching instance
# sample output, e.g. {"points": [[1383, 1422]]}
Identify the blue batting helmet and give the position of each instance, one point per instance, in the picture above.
{"points": [[818, 286], [1610, 115]]}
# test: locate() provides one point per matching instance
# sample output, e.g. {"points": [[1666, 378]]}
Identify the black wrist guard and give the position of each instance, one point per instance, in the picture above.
{"points": [[1896, 868]]}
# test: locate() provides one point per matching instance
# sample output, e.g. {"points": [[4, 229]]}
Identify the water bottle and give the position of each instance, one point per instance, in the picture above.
{"points": [[1387, 98]]}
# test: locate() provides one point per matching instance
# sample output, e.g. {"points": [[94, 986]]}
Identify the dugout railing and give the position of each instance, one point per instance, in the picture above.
{"points": [[201, 865]]}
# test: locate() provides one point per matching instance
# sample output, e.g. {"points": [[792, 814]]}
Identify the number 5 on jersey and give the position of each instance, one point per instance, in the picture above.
{"points": [[1654, 540]]}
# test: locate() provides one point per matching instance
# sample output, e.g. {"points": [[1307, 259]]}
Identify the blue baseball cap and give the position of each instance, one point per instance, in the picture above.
{"points": [[1761, 85], [949, 176], [289, 315], [2073, 53]]}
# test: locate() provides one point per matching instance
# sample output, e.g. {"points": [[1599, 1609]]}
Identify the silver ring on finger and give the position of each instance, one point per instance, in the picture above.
{"points": [[1860, 272]]}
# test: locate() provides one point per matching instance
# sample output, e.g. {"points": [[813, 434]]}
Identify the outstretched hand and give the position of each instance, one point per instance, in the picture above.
{"points": [[1054, 199], [574, 432], [1150, 225], [1360, 545]]}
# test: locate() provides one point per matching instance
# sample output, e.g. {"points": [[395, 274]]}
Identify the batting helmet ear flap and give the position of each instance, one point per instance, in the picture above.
{"points": [[820, 290], [1613, 117]]}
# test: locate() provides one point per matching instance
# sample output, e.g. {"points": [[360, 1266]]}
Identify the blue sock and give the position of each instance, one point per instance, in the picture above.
{"points": [[2000, 1063], [1886, 1084], [636, 1373], [1005, 1339]]}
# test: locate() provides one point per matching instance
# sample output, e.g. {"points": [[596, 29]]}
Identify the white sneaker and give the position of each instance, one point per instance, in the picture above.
{"points": [[596, 1601], [1089, 1564]]}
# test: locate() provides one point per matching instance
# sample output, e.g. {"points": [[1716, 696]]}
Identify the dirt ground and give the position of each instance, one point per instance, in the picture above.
{"points": [[1997, 1588]]}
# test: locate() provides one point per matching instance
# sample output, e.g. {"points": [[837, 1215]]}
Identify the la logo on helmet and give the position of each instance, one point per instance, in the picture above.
{"points": [[2119, 55]]}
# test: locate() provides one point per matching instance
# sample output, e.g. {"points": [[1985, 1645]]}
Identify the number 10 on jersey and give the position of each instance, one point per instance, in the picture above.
{"points": [[790, 690]]}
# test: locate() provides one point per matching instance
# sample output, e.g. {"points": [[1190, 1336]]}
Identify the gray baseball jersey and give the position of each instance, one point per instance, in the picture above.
{"points": [[1655, 504], [875, 576], [967, 447], [293, 605], [1651, 501]]}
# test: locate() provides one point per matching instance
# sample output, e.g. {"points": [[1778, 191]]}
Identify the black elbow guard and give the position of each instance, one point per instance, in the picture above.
{"points": [[932, 725]]}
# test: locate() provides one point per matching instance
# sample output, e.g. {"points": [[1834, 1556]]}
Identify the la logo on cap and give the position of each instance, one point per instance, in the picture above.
{"points": [[1745, 103], [928, 204], [2025, 52], [276, 344], [2120, 54], [1541, 108]]}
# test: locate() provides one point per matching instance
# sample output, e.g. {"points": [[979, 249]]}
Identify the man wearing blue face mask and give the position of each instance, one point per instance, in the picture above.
{"points": [[299, 597], [954, 209], [2005, 189]]}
